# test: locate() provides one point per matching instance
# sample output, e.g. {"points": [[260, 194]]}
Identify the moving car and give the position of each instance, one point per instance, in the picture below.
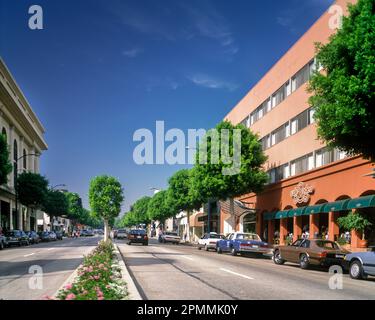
{"points": [[33, 237], [209, 240], [121, 234], [17, 237], [138, 236], [242, 243], [171, 237], [360, 264], [307, 252]]}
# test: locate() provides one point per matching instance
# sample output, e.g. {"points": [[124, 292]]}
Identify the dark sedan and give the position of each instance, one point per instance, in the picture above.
{"points": [[138, 236], [45, 236], [307, 252], [17, 237]]}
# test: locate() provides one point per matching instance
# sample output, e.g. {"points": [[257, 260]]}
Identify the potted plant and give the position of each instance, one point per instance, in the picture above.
{"points": [[357, 222]]}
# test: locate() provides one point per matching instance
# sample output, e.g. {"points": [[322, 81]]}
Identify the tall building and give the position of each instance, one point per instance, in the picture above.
{"points": [[24, 134], [310, 185]]}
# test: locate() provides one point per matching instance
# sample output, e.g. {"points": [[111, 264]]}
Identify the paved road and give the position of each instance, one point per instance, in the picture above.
{"points": [[184, 273], [57, 259]]}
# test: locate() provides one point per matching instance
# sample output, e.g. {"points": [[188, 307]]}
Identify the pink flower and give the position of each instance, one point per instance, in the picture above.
{"points": [[70, 296], [100, 293], [100, 298], [68, 286], [97, 277], [108, 286]]}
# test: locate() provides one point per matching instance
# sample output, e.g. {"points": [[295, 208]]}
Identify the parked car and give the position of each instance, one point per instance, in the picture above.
{"points": [[209, 240], [53, 236], [3, 242], [47, 236], [138, 236], [33, 237], [83, 233], [114, 232], [121, 234], [89, 233], [171, 237], [59, 235], [17, 237], [242, 243], [308, 252], [360, 264]]}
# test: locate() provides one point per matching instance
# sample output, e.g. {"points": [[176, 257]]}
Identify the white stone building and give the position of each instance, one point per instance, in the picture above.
{"points": [[25, 135]]}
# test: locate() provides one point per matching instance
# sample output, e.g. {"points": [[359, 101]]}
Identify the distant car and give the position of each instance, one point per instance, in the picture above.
{"points": [[17, 237], [209, 241], [307, 252], [3, 242], [33, 237], [171, 237], [115, 233], [59, 235], [138, 236], [89, 233], [52, 236], [121, 234], [360, 264], [243, 243], [83, 233]]}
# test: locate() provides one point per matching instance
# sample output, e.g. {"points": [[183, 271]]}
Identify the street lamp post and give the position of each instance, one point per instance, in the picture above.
{"points": [[16, 176]]}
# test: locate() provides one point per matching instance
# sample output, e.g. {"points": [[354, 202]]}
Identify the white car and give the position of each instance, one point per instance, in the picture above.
{"points": [[121, 234], [209, 240], [172, 237]]}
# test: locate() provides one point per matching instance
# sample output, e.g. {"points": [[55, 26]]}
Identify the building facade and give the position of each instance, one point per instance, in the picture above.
{"points": [[310, 185], [24, 134]]}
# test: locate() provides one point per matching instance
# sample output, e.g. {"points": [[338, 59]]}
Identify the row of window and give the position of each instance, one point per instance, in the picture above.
{"points": [[289, 128], [279, 96], [306, 163]]}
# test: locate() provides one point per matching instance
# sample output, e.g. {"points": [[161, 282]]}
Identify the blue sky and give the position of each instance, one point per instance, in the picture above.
{"points": [[101, 69]]}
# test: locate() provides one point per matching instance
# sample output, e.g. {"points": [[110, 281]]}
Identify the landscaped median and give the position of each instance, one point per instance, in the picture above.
{"points": [[98, 278]]}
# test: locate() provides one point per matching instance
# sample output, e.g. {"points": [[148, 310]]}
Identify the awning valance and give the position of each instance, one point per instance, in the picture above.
{"points": [[362, 202], [269, 216], [336, 206], [296, 212], [314, 209], [281, 214]]}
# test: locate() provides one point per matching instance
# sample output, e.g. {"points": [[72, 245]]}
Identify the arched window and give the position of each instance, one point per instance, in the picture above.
{"points": [[249, 222], [24, 160]]}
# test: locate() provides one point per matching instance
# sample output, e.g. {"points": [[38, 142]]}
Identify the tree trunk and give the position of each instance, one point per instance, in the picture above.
{"points": [[188, 226], [106, 230]]}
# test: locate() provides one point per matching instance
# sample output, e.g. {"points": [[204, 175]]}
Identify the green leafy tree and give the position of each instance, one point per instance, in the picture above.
{"points": [[160, 207], [56, 204], [208, 180], [5, 165], [106, 197], [344, 94], [32, 189], [75, 206], [139, 210], [181, 195], [354, 221]]}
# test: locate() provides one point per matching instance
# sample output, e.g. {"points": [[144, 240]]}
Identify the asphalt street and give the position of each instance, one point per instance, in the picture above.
{"points": [[166, 272], [19, 267]]}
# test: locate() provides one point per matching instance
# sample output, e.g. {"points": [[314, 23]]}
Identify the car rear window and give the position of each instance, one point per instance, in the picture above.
{"points": [[215, 236], [327, 245], [247, 236], [138, 232]]}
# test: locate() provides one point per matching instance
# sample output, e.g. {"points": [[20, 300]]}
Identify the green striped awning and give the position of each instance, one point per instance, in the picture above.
{"points": [[314, 209], [269, 216], [296, 212], [336, 206], [281, 214], [362, 202]]}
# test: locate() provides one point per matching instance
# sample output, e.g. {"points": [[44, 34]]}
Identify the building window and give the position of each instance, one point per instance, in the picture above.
{"points": [[278, 96], [311, 115], [288, 87]]}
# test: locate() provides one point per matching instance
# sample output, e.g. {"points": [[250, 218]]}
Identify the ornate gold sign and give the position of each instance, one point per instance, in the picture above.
{"points": [[301, 193]]}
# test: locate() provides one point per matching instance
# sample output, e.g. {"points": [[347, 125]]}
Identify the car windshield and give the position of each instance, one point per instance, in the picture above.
{"points": [[10, 234], [247, 236], [327, 245]]}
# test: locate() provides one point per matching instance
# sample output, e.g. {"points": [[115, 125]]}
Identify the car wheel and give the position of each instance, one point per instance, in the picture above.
{"points": [[356, 270], [199, 247], [277, 258], [1, 245], [233, 252], [129, 243], [304, 261], [218, 250]]}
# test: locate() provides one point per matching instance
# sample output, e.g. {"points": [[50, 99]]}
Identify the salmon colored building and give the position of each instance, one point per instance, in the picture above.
{"points": [[310, 185]]}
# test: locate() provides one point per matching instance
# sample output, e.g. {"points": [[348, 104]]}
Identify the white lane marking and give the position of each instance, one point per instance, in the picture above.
{"points": [[237, 274], [50, 249], [28, 255], [189, 258]]}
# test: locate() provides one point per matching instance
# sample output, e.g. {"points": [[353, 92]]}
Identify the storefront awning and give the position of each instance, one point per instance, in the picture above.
{"points": [[282, 214], [336, 206], [314, 209], [296, 212], [362, 202], [269, 216]]}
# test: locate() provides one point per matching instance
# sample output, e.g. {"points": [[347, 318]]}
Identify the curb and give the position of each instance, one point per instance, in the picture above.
{"points": [[133, 293], [70, 279]]}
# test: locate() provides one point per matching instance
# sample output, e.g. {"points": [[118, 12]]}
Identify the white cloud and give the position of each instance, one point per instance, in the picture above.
{"points": [[132, 53], [206, 81]]}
